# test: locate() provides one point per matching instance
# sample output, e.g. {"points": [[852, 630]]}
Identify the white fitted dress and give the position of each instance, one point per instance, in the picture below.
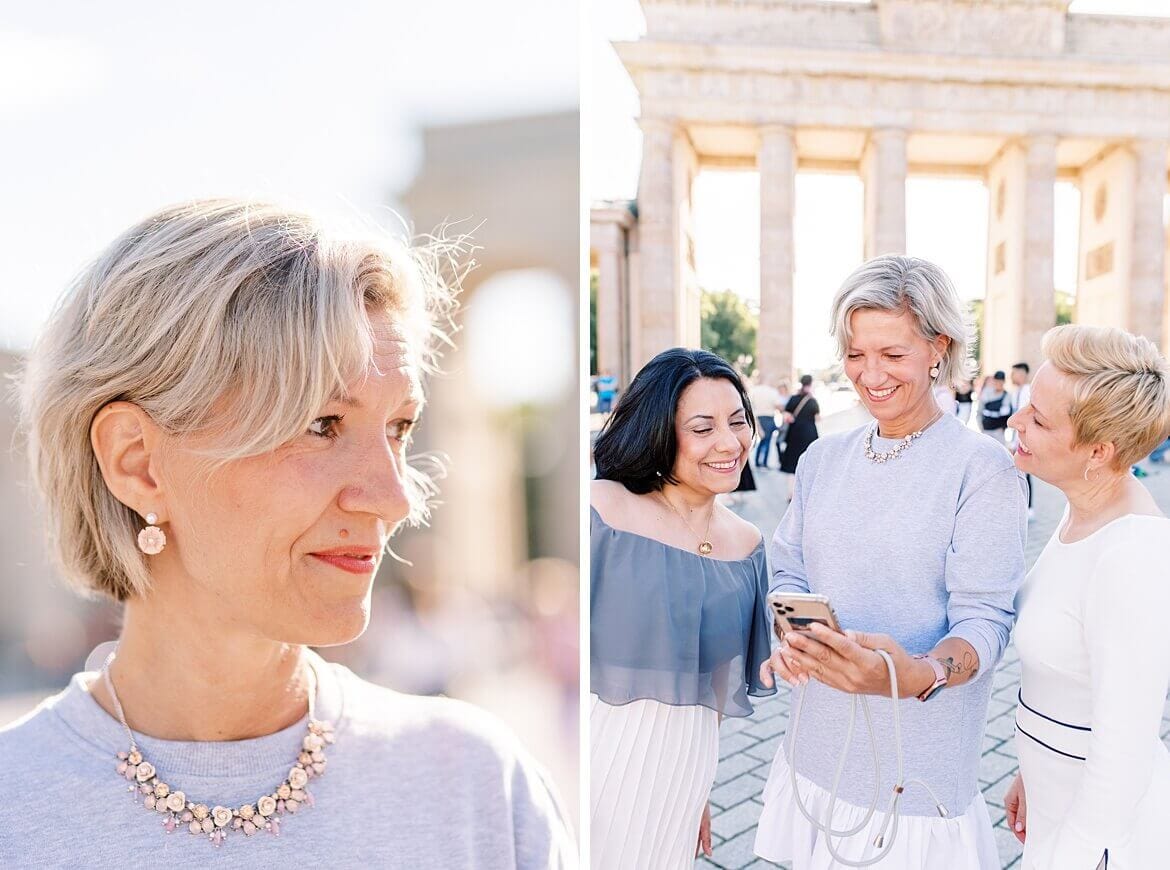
{"points": [[1094, 648]]}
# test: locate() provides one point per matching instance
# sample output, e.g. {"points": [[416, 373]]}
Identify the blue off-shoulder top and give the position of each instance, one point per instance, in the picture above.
{"points": [[673, 626]]}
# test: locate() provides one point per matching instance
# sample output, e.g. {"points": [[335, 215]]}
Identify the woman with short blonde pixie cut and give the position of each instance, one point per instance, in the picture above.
{"points": [[218, 417], [1094, 782]]}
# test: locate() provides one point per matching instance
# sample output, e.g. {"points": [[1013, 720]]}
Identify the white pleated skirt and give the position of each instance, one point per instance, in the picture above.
{"points": [[651, 770], [963, 842]]}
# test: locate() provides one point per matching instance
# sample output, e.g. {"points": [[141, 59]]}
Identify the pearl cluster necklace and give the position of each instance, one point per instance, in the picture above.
{"points": [[897, 449], [217, 822]]}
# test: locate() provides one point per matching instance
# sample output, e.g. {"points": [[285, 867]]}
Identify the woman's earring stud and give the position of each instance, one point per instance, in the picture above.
{"points": [[152, 539], [934, 371]]}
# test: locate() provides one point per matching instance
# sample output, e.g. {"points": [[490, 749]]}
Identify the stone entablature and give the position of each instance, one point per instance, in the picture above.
{"points": [[1016, 92], [983, 28], [750, 85]]}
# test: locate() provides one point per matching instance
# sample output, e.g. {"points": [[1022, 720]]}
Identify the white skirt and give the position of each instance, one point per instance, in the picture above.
{"points": [[963, 842], [651, 769]]}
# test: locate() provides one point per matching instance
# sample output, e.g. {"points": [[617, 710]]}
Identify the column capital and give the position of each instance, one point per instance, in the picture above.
{"points": [[886, 132], [770, 130], [658, 125], [1150, 148]]}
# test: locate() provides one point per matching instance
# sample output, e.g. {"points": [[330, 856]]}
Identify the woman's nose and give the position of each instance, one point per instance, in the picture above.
{"points": [[379, 485], [729, 441]]}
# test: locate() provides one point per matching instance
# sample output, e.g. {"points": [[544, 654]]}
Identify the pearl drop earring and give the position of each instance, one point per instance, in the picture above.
{"points": [[152, 539], [934, 371]]}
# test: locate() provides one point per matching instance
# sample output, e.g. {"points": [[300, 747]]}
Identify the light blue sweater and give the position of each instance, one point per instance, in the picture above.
{"points": [[410, 782], [922, 547]]}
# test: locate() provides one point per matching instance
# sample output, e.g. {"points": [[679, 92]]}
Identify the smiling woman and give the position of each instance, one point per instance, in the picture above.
{"points": [[219, 415], [678, 625]]}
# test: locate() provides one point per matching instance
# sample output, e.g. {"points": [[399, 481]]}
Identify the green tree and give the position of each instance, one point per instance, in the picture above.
{"points": [[1065, 303], [592, 321], [729, 328], [976, 315]]}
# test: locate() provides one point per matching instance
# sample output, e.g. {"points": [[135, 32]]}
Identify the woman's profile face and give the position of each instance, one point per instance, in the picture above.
{"points": [[247, 535], [1046, 443], [712, 434], [889, 361]]}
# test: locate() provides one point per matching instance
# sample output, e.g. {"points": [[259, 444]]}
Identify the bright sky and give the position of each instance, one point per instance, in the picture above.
{"points": [[110, 110], [828, 231]]}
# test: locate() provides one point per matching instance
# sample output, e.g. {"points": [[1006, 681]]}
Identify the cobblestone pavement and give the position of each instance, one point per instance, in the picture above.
{"points": [[747, 746]]}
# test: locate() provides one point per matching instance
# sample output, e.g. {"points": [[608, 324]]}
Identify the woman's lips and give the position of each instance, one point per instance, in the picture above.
{"points": [[1021, 449], [883, 395], [352, 564], [727, 467]]}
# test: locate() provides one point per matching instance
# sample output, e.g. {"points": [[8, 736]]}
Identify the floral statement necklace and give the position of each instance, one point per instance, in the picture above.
{"points": [[898, 448], [218, 822]]}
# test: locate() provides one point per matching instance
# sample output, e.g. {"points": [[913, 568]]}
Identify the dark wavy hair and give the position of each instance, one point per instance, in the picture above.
{"points": [[637, 445]]}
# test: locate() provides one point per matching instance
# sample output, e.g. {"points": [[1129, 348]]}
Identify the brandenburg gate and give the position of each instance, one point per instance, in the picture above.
{"points": [[1018, 93]]}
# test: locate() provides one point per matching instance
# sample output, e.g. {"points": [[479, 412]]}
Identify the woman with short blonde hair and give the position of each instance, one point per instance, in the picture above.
{"points": [[1094, 782], [218, 416]]}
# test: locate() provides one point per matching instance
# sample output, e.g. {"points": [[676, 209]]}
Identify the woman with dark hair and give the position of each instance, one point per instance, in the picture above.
{"points": [[679, 626], [801, 414]]}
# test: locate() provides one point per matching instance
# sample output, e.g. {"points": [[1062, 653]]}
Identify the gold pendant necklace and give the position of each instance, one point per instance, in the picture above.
{"points": [[705, 547], [217, 822]]}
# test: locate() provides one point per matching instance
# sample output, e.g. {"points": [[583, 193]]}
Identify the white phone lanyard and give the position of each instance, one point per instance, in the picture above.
{"points": [[891, 819]]}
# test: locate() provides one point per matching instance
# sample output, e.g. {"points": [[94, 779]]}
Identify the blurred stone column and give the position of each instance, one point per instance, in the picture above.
{"points": [[669, 308], [609, 243], [1147, 270], [777, 166], [883, 168], [1038, 294]]}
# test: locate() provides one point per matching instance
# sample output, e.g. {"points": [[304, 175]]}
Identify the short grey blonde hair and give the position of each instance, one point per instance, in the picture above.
{"points": [[898, 283], [224, 318], [1121, 388]]}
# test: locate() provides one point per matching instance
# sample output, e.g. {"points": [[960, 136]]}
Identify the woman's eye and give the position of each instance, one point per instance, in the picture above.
{"points": [[854, 356], [325, 427], [895, 356], [738, 423], [401, 430], [701, 431]]}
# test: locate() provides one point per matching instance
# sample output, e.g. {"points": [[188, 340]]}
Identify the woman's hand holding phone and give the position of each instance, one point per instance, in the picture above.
{"points": [[847, 661]]}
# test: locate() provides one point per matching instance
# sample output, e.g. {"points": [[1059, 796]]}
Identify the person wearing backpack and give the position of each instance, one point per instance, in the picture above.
{"points": [[995, 406]]}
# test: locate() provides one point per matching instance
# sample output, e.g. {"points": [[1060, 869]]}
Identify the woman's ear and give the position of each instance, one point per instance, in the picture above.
{"points": [[941, 344], [1102, 454], [126, 443]]}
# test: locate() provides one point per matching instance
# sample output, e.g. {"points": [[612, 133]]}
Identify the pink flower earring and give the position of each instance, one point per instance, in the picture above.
{"points": [[152, 539]]}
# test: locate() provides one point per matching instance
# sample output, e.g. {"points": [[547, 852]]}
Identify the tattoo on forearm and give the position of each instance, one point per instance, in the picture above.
{"points": [[968, 666]]}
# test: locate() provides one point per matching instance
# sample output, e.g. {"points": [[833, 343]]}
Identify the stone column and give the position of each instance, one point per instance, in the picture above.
{"points": [[883, 167], [1123, 249], [1020, 304], [774, 339], [1037, 292], [1147, 269], [1165, 345], [666, 305], [608, 242]]}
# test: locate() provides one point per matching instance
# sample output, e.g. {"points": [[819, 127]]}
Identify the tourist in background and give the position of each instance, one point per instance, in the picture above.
{"points": [[801, 414], [1094, 783], [963, 396], [995, 406], [766, 406], [1021, 380], [606, 391]]}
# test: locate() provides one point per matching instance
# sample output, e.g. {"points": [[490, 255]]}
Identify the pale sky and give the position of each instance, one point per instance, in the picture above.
{"points": [[828, 231], [111, 110]]}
